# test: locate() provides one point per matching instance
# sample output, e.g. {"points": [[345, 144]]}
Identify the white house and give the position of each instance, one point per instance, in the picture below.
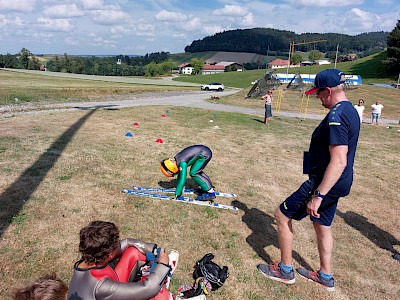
{"points": [[185, 68]]}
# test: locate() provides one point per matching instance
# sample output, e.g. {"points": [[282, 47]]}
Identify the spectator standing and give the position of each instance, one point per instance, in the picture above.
{"points": [[360, 109], [330, 170], [268, 106], [376, 110]]}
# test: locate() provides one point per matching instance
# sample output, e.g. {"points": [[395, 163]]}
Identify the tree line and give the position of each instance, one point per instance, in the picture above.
{"points": [[151, 65], [262, 40]]}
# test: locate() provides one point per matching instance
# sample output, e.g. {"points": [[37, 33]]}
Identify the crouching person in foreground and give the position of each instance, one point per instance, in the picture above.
{"points": [[112, 269]]}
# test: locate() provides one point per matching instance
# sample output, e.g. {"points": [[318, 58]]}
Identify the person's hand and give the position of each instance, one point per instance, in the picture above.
{"points": [[163, 258], [313, 206]]}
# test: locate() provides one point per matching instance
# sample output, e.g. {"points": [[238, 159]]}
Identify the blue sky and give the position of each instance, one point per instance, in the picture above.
{"points": [[126, 27]]}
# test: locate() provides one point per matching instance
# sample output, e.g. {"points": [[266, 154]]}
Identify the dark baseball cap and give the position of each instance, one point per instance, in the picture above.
{"points": [[327, 78]]}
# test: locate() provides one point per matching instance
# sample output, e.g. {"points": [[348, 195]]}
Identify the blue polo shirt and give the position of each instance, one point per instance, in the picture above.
{"points": [[341, 126]]}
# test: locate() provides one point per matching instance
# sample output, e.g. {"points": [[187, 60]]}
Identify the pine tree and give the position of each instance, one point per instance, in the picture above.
{"points": [[393, 50]]}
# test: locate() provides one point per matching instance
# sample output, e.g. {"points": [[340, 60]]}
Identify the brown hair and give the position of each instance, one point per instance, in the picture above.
{"points": [[97, 241], [47, 287]]}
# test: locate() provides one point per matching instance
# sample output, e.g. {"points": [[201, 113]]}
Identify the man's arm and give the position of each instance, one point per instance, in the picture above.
{"points": [[335, 168], [143, 290], [143, 247]]}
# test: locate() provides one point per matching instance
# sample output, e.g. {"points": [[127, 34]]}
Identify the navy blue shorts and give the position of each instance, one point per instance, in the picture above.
{"points": [[294, 207]]}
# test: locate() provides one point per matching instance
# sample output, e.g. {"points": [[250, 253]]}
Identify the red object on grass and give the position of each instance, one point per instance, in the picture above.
{"points": [[135, 124], [160, 141], [163, 115]]}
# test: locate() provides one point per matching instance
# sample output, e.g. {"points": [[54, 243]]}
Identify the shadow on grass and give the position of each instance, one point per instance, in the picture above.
{"points": [[14, 197], [258, 120], [190, 184], [263, 233], [376, 235]]}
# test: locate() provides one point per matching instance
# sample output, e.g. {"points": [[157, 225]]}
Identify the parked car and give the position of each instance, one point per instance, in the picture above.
{"points": [[213, 86], [396, 86]]}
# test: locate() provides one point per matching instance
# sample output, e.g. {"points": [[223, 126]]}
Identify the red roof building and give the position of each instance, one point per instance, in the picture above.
{"points": [[278, 63]]}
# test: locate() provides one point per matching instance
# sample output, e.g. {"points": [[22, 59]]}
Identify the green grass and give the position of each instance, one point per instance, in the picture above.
{"points": [[262, 164], [370, 69]]}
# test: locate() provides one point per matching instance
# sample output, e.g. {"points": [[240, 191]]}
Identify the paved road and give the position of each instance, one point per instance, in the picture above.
{"points": [[173, 98]]}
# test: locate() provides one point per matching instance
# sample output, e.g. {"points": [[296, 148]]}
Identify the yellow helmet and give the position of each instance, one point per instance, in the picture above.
{"points": [[168, 167]]}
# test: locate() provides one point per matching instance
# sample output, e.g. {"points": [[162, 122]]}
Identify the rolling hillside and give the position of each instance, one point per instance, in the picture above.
{"points": [[370, 68]]}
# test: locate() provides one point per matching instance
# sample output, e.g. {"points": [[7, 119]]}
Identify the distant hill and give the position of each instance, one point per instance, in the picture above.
{"points": [[259, 40]]}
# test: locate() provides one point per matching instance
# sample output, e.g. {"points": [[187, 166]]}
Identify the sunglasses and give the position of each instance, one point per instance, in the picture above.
{"points": [[320, 90]]}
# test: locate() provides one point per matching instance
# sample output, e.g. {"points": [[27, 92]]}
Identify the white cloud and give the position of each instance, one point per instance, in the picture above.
{"points": [[72, 41], [231, 10], [109, 17], [63, 11], [147, 30], [248, 20], [210, 30], [117, 29], [193, 24], [17, 21], [170, 16], [324, 3], [140, 29], [363, 20], [55, 24], [99, 41], [17, 5], [42, 35], [92, 4]]}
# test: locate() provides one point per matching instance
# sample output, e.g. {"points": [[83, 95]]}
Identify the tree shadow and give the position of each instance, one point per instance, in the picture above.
{"points": [[263, 233], [14, 197], [376, 235]]}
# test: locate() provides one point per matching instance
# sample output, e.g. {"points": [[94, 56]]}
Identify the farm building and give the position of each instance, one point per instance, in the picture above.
{"points": [[233, 66], [212, 69]]}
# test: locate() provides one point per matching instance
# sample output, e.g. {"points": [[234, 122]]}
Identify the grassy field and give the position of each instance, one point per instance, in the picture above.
{"points": [[38, 88], [59, 171]]}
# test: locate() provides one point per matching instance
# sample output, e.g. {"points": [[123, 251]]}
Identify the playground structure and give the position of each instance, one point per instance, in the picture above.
{"points": [[296, 83], [272, 81], [269, 82]]}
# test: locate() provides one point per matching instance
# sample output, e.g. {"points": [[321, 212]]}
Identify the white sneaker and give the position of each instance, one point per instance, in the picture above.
{"points": [[173, 262]]}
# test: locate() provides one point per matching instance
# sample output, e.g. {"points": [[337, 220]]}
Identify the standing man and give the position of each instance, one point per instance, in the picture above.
{"points": [[376, 111], [196, 157], [330, 169], [268, 106]]}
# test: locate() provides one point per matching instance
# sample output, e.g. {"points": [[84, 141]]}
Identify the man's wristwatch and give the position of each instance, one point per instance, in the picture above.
{"points": [[318, 194]]}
